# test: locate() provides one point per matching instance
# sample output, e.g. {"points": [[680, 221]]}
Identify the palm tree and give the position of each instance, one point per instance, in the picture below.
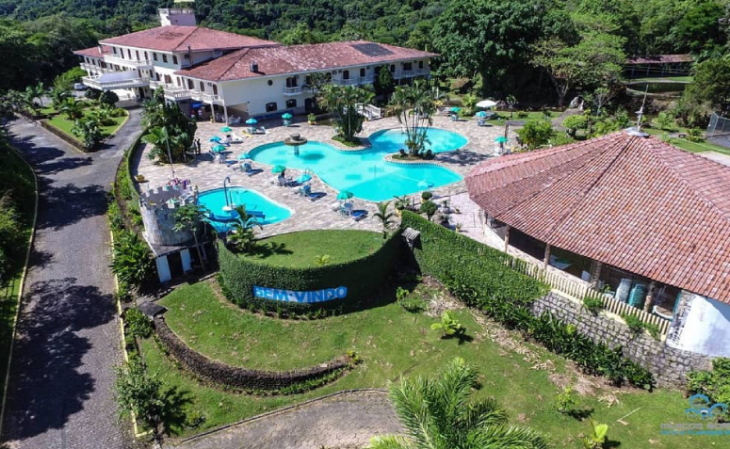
{"points": [[437, 414], [413, 106], [187, 218], [31, 93], [88, 129], [343, 102], [58, 97], [241, 233], [384, 216], [72, 108]]}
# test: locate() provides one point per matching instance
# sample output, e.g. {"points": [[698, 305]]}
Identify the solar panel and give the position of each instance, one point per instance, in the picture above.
{"points": [[372, 49]]}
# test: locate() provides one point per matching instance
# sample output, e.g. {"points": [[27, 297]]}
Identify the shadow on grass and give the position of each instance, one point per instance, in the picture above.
{"points": [[581, 414], [173, 414], [270, 249]]}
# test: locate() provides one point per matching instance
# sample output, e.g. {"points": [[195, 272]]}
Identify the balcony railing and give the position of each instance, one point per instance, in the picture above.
{"points": [[347, 82], [94, 83], [204, 96], [293, 90], [366, 79], [127, 62], [411, 73]]}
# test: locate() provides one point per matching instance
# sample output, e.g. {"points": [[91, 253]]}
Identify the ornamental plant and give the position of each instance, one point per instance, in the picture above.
{"points": [[450, 326]]}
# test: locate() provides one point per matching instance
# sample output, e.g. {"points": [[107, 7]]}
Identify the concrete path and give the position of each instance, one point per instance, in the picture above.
{"points": [[344, 420], [60, 390]]}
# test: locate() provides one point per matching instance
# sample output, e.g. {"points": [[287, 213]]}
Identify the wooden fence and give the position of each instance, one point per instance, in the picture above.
{"points": [[579, 290]]}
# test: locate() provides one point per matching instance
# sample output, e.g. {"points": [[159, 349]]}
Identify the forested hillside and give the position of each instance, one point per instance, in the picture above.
{"points": [[505, 45]]}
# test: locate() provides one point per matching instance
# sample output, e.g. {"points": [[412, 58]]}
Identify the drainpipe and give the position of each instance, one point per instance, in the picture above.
{"points": [[546, 258]]}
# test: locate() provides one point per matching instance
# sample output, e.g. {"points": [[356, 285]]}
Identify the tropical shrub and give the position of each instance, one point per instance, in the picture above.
{"points": [[714, 384], [108, 97], [449, 325], [664, 121], [87, 129], [596, 439], [575, 122], [429, 208], [536, 133], [565, 401], [342, 102], [593, 304], [139, 325], [139, 392], [132, 262], [695, 135]]}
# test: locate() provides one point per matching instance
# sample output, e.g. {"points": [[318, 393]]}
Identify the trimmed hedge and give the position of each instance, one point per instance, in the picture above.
{"points": [[445, 254], [363, 277], [481, 277]]}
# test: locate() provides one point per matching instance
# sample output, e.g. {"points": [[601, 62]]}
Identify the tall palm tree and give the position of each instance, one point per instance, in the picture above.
{"points": [[343, 102], [437, 414], [413, 106], [241, 233]]}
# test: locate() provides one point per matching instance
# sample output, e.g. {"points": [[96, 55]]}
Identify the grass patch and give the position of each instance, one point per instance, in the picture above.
{"points": [[393, 342], [300, 249], [62, 123], [347, 143], [17, 175], [686, 145]]}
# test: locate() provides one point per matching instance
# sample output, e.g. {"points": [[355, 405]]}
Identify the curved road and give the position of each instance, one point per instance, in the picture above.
{"points": [[60, 391]]}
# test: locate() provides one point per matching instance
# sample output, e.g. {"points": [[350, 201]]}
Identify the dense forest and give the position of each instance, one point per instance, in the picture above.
{"points": [[506, 46]]}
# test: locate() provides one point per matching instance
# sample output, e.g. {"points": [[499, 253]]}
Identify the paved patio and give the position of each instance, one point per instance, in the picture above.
{"points": [[207, 174]]}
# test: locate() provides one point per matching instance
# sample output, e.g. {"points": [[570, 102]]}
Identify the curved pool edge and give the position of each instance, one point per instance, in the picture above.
{"points": [[385, 130], [257, 192]]}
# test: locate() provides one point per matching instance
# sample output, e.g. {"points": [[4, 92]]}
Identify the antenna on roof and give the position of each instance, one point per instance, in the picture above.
{"points": [[636, 130]]}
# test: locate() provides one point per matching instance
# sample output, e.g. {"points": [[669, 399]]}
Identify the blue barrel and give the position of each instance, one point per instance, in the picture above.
{"points": [[638, 296]]}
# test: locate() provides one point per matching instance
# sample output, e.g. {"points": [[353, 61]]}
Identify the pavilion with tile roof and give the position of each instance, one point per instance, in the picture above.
{"points": [[621, 206]]}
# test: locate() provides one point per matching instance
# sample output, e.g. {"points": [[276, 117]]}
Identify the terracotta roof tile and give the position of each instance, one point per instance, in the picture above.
{"points": [[299, 58], [94, 52], [179, 38], [635, 203]]}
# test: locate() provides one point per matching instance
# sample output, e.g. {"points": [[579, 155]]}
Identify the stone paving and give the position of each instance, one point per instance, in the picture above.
{"points": [[343, 420], [207, 174]]}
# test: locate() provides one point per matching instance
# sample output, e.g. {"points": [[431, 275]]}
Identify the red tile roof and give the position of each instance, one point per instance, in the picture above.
{"points": [[299, 58], [94, 52], [661, 59], [632, 202], [179, 38]]}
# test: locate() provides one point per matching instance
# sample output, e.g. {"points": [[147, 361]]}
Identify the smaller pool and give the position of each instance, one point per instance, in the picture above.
{"points": [[266, 210], [438, 140]]}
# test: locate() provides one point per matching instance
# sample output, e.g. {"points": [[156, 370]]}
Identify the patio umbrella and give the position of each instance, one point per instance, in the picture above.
{"points": [[304, 178], [219, 148], [243, 156], [486, 104], [501, 139], [481, 114], [278, 169], [251, 121], [455, 109], [425, 185], [226, 129], [344, 195], [215, 139], [286, 116]]}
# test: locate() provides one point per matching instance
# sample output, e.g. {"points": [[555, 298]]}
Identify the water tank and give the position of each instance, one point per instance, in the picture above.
{"points": [[637, 296]]}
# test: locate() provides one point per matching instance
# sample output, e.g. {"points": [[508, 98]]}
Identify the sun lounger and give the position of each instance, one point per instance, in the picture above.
{"points": [[358, 215]]}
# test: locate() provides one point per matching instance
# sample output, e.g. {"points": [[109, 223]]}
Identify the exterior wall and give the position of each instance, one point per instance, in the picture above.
{"points": [[701, 325], [669, 365]]}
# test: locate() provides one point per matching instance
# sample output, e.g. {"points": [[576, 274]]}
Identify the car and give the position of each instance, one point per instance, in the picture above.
{"points": [[80, 86]]}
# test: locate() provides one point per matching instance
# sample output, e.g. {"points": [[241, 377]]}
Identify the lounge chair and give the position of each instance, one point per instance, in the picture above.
{"points": [[358, 215], [346, 209], [249, 170]]}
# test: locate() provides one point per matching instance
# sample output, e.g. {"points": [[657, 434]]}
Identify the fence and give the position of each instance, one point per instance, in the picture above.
{"points": [[579, 290], [719, 130]]}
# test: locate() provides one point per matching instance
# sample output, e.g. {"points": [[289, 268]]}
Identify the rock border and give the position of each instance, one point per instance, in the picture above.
{"points": [[237, 377]]}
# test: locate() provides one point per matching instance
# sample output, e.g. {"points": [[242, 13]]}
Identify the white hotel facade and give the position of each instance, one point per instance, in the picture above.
{"points": [[232, 74]]}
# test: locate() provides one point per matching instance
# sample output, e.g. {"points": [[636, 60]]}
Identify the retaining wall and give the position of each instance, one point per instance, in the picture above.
{"points": [[231, 376], [669, 366]]}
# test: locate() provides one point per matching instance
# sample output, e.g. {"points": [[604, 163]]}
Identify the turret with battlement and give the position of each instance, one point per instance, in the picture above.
{"points": [[158, 215]]}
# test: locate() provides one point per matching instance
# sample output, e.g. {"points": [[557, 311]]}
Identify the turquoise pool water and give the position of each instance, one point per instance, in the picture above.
{"points": [[267, 211], [365, 173]]}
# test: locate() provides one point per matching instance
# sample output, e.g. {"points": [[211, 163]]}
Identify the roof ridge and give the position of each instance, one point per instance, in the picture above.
{"points": [[621, 149], [195, 30], [244, 52], [565, 175], [677, 175]]}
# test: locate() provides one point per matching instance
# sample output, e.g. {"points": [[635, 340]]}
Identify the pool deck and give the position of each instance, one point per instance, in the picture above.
{"points": [[306, 214]]}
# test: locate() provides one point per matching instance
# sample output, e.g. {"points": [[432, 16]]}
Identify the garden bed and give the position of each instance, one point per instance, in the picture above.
{"points": [[64, 124], [392, 342]]}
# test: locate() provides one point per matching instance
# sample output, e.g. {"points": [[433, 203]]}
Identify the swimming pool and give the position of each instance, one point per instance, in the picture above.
{"points": [[366, 173], [267, 211]]}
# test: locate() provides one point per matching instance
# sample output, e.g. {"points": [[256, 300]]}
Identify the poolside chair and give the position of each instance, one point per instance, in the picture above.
{"points": [[249, 170], [358, 215], [304, 191], [346, 209], [336, 206]]}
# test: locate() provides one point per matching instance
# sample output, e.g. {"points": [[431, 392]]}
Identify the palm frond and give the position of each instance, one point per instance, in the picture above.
{"points": [[390, 442]]}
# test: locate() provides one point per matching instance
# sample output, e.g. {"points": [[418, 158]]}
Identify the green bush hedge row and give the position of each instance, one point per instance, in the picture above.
{"points": [[362, 277], [480, 276], [444, 253]]}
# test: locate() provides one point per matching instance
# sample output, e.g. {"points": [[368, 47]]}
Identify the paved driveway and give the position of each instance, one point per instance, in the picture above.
{"points": [[60, 391], [343, 420]]}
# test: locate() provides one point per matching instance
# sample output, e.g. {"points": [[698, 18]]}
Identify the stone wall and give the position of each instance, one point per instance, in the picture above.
{"points": [[236, 377], [668, 365]]}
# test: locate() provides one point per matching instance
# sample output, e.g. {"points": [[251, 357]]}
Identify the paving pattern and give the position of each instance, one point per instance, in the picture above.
{"points": [[60, 389], [207, 174], [344, 420]]}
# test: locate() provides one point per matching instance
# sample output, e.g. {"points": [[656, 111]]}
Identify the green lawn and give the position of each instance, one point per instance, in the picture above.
{"points": [[62, 123], [300, 249], [392, 342], [17, 175], [676, 79], [684, 144]]}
